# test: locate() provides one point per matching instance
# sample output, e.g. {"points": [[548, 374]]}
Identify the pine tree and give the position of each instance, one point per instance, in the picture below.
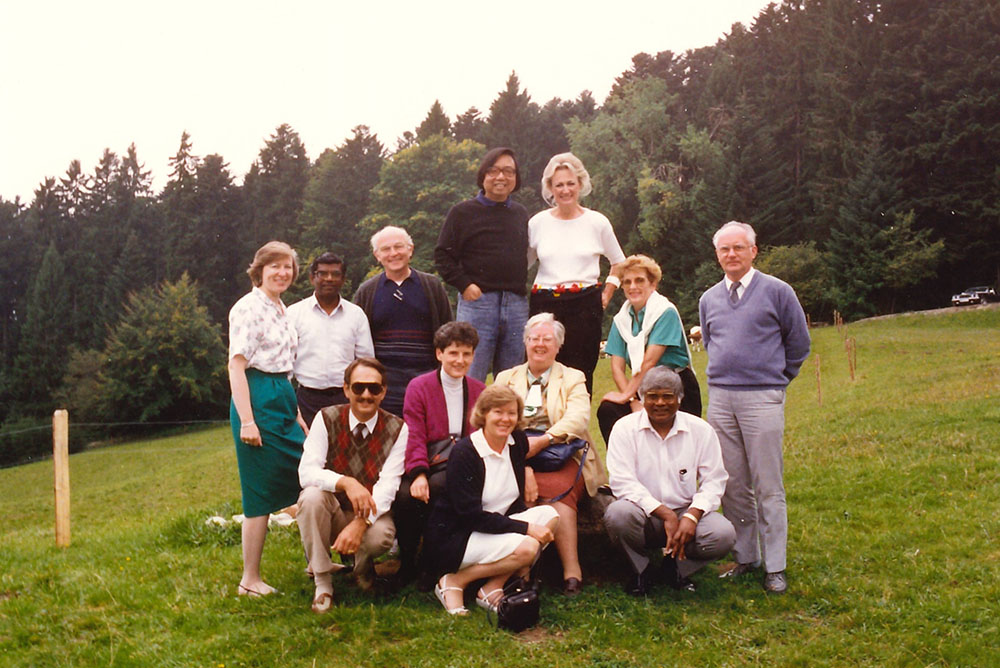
{"points": [[164, 359], [336, 199], [274, 190], [41, 357], [469, 125], [435, 123]]}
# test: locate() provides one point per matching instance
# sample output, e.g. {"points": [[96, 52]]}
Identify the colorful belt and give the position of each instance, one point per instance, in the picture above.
{"points": [[568, 288]]}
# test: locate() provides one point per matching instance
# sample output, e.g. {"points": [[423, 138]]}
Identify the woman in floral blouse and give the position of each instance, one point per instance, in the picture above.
{"points": [[267, 427]]}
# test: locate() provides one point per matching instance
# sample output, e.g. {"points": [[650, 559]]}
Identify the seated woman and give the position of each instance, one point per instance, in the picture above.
{"points": [[561, 409], [437, 406], [646, 332], [482, 528]]}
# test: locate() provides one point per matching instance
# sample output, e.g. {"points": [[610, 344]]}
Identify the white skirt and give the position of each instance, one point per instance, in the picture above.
{"points": [[485, 548]]}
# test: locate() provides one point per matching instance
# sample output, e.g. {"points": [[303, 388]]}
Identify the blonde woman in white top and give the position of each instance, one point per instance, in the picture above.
{"points": [[568, 241]]}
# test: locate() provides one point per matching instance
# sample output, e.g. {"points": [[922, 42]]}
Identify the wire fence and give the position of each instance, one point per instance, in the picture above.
{"points": [[23, 445]]}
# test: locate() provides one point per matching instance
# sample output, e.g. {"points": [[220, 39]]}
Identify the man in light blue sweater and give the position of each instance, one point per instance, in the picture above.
{"points": [[756, 337]]}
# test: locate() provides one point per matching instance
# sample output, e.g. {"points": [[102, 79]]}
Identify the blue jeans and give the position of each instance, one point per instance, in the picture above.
{"points": [[499, 318]]}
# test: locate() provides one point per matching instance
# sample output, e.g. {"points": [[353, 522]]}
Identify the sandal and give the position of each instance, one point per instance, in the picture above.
{"points": [[439, 590], [483, 599], [253, 593], [322, 603]]}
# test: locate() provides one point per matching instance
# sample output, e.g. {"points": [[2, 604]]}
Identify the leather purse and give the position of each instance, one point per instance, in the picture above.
{"points": [[553, 457], [519, 608], [438, 453]]}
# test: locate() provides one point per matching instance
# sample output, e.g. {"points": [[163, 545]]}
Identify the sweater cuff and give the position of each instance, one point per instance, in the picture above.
{"points": [[417, 470]]}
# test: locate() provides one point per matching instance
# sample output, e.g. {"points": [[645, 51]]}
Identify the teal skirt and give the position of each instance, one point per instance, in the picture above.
{"points": [[269, 474]]}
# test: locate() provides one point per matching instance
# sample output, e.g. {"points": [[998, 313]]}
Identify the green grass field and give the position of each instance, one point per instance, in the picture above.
{"points": [[893, 490]]}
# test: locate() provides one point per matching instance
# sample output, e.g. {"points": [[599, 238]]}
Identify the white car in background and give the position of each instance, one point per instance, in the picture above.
{"points": [[976, 295]]}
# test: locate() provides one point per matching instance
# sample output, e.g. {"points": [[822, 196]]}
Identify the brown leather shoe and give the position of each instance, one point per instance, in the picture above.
{"points": [[572, 586]]}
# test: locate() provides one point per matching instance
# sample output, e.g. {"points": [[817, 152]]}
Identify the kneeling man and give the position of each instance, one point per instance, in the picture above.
{"points": [[667, 477], [351, 465]]}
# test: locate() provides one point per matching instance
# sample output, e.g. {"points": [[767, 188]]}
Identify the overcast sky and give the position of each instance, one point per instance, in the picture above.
{"points": [[79, 77]]}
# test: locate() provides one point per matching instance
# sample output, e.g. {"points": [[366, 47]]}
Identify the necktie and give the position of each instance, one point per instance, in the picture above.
{"points": [[534, 399], [734, 296], [361, 432]]}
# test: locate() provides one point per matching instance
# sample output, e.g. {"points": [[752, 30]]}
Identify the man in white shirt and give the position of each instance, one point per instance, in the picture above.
{"points": [[667, 476], [351, 465], [332, 333]]}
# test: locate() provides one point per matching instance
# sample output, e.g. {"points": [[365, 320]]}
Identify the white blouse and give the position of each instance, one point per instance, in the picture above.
{"points": [[500, 486], [260, 330], [569, 251]]}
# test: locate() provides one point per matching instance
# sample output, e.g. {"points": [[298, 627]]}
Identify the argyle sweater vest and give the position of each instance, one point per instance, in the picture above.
{"points": [[361, 459]]}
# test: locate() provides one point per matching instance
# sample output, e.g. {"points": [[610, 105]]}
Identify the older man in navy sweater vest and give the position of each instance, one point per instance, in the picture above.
{"points": [[756, 337]]}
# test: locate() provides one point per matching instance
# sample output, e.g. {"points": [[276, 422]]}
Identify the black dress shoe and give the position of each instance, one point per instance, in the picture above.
{"points": [[425, 581], [640, 583], [668, 571], [686, 584], [572, 586], [776, 583]]}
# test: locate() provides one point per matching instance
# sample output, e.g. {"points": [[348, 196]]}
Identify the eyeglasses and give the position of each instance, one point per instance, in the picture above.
{"points": [[494, 172], [542, 339], [374, 389], [739, 248], [394, 248], [655, 397]]}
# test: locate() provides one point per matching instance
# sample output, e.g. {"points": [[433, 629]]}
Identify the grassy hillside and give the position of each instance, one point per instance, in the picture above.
{"points": [[893, 485]]}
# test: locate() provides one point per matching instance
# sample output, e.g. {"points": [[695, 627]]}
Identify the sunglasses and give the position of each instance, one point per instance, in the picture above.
{"points": [[373, 388]]}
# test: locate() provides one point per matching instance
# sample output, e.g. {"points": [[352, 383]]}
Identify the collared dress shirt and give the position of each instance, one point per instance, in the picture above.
{"points": [[313, 471], [328, 342], [744, 282], [684, 469]]}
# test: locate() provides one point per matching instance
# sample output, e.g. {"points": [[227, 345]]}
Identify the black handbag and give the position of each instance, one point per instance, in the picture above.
{"points": [[519, 608], [553, 457], [438, 452]]}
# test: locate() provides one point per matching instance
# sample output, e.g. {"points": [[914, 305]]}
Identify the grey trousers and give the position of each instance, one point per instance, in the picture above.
{"points": [[751, 426], [321, 519], [636, 532]]}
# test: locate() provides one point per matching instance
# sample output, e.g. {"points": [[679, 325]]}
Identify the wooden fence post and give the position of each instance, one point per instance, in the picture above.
{"points": [[851, 346], [60, 458], [819, 383]]}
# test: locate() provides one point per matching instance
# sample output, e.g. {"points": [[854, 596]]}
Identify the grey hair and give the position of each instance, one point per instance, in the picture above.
{"points": [[747, 230], [545, 319], [387, 229], [662, 378], [575, 165]]}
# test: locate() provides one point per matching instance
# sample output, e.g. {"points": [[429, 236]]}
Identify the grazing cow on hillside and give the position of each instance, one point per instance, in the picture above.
{"points": [[694, 338]]}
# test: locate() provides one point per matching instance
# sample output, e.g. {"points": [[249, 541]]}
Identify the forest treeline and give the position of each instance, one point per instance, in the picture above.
{"points": [[860, 138]]}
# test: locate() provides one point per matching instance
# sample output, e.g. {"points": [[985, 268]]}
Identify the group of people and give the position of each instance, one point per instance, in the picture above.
{"points": [[392, 435]]}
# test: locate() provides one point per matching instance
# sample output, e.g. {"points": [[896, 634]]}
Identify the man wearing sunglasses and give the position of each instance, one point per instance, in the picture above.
{"points": [[351, 465]]}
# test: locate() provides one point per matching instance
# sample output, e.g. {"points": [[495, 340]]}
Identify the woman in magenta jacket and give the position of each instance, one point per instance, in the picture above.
{"points": [[437, 406]]}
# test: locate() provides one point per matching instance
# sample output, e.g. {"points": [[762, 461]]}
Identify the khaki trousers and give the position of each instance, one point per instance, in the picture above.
{"points": [[321, 519]]}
